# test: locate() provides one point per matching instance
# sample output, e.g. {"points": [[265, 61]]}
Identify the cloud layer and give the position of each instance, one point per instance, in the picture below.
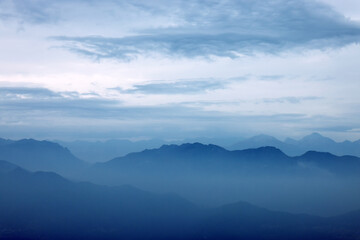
{"points": [[181, 86], [227, 29], [44, 113], [170, 67]]}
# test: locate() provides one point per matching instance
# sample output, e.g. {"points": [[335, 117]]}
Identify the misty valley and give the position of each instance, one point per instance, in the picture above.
{"points": [[180, 190]]}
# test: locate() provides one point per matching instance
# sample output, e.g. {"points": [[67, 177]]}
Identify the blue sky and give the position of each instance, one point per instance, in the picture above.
{"points": [[142, 69]]}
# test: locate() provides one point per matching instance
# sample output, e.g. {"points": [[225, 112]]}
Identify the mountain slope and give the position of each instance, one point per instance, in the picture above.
{"points": [[40, 155], [341, 165], [245, 221], [101, 151], [201, 158], [211, 175], [44, 205]]}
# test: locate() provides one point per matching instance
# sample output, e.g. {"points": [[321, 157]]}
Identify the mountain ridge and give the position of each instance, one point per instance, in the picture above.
{"points": [[196, 152]]}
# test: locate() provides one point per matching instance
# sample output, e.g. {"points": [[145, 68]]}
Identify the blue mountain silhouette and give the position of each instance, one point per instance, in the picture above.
{"points": [[47, 206], [292, 147], [40, 155]]}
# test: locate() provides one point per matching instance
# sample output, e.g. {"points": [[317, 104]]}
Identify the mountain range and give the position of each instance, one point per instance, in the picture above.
{"points": [[292, 147], [43, 205], [202, 158], [102, 151], [211, 175]]}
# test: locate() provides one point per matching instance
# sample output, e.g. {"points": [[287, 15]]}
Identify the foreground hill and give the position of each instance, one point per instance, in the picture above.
{"points": [[40, 156], [44, 205]]}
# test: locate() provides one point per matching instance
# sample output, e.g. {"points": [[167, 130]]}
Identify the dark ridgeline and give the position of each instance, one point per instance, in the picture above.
{"points": [[200, 158], [101, 151], [44, 205]]}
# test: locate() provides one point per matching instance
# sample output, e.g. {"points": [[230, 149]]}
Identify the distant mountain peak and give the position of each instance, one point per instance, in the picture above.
{"points": [[316, 137], [257, 141], [316, 134], [263, 137]]}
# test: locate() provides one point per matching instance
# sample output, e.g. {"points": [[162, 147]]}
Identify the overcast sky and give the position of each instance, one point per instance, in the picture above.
{"points": [[86, 69]]}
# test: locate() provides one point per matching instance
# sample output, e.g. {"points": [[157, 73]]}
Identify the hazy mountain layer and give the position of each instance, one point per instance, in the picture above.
{"points": [[102, 151], [44, 205], [292, 147], [317, 183], [40, 155]]}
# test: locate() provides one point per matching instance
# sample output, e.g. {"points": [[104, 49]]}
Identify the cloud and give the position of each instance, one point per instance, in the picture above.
{"points": [[44, 113], [45, 103], [271, 77], [42, 102], [29, 11], [181, 86], [24, 92], [188, 29], [335, 128], [16, 93], [292, 100], [227, 29]]}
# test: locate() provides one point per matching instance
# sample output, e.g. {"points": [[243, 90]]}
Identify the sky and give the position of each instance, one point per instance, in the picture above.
{"points": [[136, 69]]}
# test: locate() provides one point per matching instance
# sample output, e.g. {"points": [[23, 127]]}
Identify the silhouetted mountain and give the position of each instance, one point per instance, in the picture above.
{"points": [[258, 141], [195, 152], [222, 142], [202, 158], [40, 155], [343, 165], [196, 159], [44, 205], [316, 139], [197, 171], [292, 147], [102, 151]]}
